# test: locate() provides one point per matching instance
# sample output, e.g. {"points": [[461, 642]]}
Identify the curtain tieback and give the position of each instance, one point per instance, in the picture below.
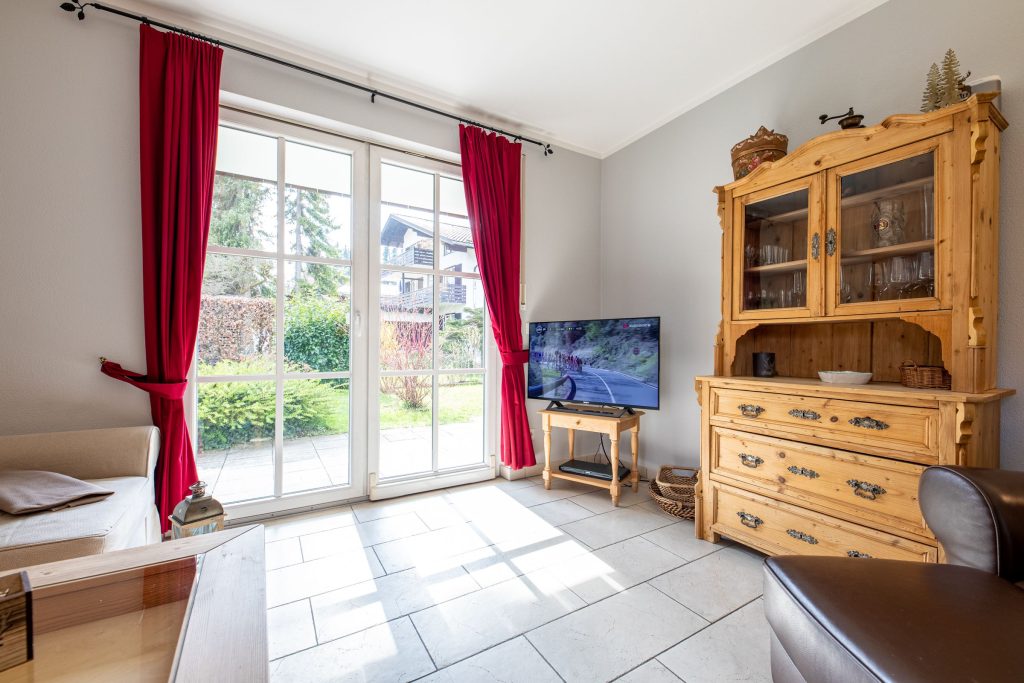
{"points": [[515, 357], [173, 390]]}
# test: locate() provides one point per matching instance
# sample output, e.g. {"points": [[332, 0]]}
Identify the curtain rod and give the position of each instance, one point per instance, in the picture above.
{"points": [[79, 8]]}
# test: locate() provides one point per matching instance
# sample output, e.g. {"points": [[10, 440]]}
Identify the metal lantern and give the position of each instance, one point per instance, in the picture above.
{"points": [[197, 514]]}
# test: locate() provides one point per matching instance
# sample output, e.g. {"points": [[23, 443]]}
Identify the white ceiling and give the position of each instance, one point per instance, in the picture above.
{"points": [[591, 75]]}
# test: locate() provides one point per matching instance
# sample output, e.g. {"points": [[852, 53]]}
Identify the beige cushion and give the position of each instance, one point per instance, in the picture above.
{"points": [[89, 454], [26, 491], [123, 520]]}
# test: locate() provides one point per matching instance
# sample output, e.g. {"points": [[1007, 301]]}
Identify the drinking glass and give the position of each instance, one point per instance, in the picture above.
{"points": [[844, 287], [927, 192], [899, 275], [926, 272], [880, 279]]}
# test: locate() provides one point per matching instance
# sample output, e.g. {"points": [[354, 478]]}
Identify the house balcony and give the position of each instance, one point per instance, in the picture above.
{"points": [[424, 298]]}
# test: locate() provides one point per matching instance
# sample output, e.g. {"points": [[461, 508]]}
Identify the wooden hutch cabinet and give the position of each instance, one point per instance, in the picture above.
{"points": [[861, 250]]}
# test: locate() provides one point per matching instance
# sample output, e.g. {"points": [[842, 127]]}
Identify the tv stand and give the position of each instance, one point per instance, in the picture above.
{"points": [[609, 421], [586, 409]]}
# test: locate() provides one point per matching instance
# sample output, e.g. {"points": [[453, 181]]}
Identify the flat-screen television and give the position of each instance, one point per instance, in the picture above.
{"points": [[610, 362]]}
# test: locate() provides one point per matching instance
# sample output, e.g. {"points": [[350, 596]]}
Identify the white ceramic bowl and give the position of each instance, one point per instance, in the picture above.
{"points": [[844, 377]]}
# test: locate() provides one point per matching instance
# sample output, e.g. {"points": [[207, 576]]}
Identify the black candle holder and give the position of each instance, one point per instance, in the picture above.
{"points": [[764, 364]]}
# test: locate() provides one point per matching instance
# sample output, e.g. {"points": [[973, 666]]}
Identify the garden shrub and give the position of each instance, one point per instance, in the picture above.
{"points": [[316, 332], [232, 413]]}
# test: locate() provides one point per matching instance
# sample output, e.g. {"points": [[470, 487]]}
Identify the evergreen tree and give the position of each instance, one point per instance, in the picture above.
{"points": [[949, 79], [235, 221], [931, 97], [308, 216], [235, 216]]}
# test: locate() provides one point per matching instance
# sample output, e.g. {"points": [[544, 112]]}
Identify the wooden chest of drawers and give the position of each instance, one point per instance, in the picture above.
{"points": [[795, 466]]}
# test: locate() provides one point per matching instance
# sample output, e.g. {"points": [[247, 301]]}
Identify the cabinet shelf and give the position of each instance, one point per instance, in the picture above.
{"points": [[851, 258], [868, 197], [854, 200], [784, 267]]}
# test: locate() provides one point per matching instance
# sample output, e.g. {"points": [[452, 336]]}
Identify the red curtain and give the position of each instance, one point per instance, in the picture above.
{"points": [[179, 88], [491, 175]]}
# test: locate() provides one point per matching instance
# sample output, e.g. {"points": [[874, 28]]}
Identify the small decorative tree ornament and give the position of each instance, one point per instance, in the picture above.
{"points": [[945, 85], [931, 97], [197, 514]]}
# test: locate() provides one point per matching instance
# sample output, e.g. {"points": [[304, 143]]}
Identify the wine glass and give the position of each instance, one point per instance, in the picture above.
{"points": [[926, 272], [899, 274], [798, 287], [880, 279], [928, 227], [844, 286]]}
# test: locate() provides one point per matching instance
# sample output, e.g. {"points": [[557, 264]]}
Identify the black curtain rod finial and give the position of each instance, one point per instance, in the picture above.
{"points": [[75, 6]]}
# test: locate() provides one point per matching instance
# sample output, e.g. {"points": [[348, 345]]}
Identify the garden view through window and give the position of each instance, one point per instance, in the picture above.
{"points": [[278, 351]]}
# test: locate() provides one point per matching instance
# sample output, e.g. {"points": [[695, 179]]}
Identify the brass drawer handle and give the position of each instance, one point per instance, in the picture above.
{"points": [[749, 520], [865, 489], [815, 246], [857, 553], [868, 423], [750, 410], [830, 242], [751, 461], [801, 536], [803, 472], [804, 414]]}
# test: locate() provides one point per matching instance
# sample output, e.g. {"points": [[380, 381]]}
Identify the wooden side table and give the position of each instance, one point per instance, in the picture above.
{"points": [[610, 424]]}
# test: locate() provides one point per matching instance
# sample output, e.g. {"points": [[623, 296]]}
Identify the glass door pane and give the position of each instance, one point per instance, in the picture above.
{"points": [[279, 354], [775, 252], [431, 331], [887, 232]]}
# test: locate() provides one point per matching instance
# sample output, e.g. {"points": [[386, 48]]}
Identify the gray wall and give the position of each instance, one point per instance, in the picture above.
{"points": [[659, 231], [70, 244]]}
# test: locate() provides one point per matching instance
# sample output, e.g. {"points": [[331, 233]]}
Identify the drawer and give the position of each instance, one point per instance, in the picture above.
{"points": [[880, 490], [782, 529], [896, 431]]}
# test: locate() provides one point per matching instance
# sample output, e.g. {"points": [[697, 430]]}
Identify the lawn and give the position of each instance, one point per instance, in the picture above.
{"points": [[459, 403]]}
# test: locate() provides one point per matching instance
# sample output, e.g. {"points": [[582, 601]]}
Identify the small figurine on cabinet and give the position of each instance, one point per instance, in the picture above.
{"points": [[945, 85], [888, 220]]}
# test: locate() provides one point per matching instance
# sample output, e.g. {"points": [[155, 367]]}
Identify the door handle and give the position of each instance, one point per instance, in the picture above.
{"points": [[357, 323]]}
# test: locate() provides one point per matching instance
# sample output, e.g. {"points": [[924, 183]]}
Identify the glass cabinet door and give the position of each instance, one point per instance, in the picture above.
{"points": [[773, 255], [885, 236]]}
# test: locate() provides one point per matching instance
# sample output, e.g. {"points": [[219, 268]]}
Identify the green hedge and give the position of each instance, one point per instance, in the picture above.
{"points": [[316, 333]]}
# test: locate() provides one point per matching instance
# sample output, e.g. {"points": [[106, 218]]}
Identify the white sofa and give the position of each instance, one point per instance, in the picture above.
{"points": [[121, 459]]}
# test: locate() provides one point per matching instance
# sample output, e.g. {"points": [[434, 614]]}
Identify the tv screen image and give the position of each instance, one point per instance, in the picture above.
{"points": [[613, 361]]}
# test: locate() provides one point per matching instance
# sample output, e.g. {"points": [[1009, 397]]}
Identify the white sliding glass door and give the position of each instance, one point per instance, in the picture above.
{"points": [[429, 349], [280, 363]]}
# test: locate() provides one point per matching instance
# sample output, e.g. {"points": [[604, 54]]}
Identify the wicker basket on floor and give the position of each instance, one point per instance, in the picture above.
{"points": [[674, 490]]}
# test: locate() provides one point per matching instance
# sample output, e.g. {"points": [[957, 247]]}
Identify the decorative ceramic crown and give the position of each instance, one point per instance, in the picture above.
{"points": [[762, 139]]}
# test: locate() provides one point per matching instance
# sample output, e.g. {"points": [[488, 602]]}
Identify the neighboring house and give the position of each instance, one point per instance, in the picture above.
{"points": [[409, 241]]}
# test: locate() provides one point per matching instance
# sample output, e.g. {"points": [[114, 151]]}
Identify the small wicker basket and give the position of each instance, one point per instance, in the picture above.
{"points": [[674, 490], [924, 376]]}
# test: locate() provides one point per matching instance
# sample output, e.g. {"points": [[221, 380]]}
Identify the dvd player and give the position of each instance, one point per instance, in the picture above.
{"points": [[594, 470]]}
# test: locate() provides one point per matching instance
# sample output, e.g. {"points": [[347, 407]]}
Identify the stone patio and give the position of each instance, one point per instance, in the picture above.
{"points": [[246, 472]]}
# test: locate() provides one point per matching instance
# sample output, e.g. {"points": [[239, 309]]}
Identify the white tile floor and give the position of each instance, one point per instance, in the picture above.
{"points": [[505, 581]]}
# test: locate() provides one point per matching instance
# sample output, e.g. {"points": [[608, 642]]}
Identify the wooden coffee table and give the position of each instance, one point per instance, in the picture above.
{"points": [[187, 610]]}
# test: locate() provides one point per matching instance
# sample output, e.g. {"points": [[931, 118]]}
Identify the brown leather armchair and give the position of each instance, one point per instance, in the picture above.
{"points": [[839, 619]]}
